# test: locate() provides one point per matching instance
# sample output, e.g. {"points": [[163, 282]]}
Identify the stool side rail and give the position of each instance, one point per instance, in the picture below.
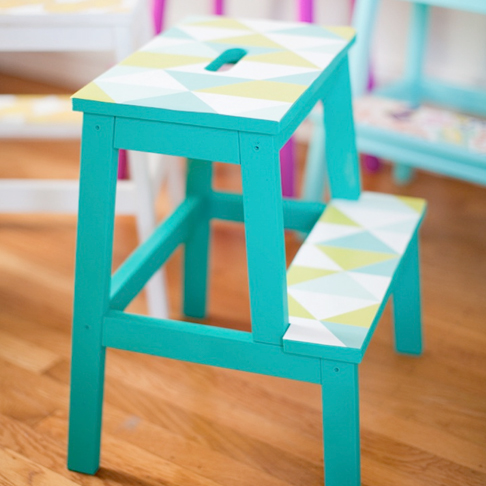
{"points": [[203, 344]]}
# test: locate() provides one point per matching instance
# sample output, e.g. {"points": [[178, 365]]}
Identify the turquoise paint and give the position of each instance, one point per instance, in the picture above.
{"points": [[92, 286], [196, 251], [207, 345]]}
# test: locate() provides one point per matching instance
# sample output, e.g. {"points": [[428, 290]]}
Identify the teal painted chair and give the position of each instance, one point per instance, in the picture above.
{"points": [[312, 323], [417, 122]]}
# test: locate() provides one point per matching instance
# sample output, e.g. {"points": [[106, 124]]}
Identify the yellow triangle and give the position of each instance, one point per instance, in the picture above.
{"points": [[296, 309], [224, 23], [297, 274], [345, 32], [333, 215], [417, 204], [156, 60], [253, 40], [349, 259], [261, 90], [93, 92], [287, 58], [361, 317]]}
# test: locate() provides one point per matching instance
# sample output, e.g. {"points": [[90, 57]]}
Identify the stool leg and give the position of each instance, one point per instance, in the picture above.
{"points": [[340, 409], [407, 303], [402, 174], [315, 171], [196, 256], [264, 232], [92, 289]]}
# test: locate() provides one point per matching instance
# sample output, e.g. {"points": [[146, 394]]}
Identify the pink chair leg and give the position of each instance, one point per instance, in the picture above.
{"points": [[122, 165], [218, 7], [158, 10], [287, 166], [306, 10]]}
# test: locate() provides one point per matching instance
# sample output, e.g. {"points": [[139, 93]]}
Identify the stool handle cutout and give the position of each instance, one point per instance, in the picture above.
{"points": [[226, 60]]}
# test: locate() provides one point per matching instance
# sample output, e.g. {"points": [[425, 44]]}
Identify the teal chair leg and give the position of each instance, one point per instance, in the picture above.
{"points": [[92, 288], [340, 408], [315, 173], [407, 303], [196, 256], [402, 174]]}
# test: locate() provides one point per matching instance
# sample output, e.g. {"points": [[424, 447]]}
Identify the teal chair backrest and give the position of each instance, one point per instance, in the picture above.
{"points": [[414, 87]]}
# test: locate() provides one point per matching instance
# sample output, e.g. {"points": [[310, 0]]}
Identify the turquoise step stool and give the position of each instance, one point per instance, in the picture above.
{"points": [[313, 324]]}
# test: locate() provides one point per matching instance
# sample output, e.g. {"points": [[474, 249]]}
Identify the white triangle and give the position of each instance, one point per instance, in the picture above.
{"points": [[325, 306], [203, 33], [329, 231], [310, 331], [310, 256], [296, 42], [396, 241], [260, 70], [199, 68], [155, 78], [159, 42], [376, 285], [370, 217], [264, 26], [235, 105]]}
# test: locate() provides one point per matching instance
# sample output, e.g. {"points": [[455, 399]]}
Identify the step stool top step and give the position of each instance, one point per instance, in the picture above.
{"points": [[280, 62], [339, 281]]}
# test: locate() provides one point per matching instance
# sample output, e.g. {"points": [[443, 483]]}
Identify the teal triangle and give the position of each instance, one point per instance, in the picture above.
{"points": [[177, 33], [194, 81], [336, 284], [350, 336], [275, 113], [305, 79], [309, 30], [121, 93], [402, 227], [385, 269], [361, 241], [184, 101]]}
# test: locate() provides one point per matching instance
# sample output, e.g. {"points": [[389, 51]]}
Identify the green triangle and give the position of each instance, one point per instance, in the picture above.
{"points": [[298, 274], [349, 259], [417, 204], [361, 317], [333, 215], [297, 310]]}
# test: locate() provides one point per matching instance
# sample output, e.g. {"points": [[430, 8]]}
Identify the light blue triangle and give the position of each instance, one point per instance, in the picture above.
{"points": [[361, 241], [177, 33], [350, 336], [184, 101], [385, 269], [402, 227], [275, 113], [194, 81], [336, 284], [331, 49], [120, 92], [120, 70], [305, 79], [386, 202], [309, 31]]}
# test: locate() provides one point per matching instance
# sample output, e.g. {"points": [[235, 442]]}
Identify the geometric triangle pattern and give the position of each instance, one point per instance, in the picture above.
{"points": [[334, 300], [278, 62], [63, 7]]}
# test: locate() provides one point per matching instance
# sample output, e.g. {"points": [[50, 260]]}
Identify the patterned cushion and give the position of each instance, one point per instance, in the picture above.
{"points": [[436, 125], [32, 109], [341, 275]]}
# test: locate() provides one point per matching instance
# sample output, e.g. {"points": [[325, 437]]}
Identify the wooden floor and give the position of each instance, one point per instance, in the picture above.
{"points": [[423, 420]]}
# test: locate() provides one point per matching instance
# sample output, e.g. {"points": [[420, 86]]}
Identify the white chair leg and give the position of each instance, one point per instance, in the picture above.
{"points": [[146, 222]]}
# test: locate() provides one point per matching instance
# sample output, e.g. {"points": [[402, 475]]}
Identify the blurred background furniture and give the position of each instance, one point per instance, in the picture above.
{"points": [[418, 121], [55, 26]]}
